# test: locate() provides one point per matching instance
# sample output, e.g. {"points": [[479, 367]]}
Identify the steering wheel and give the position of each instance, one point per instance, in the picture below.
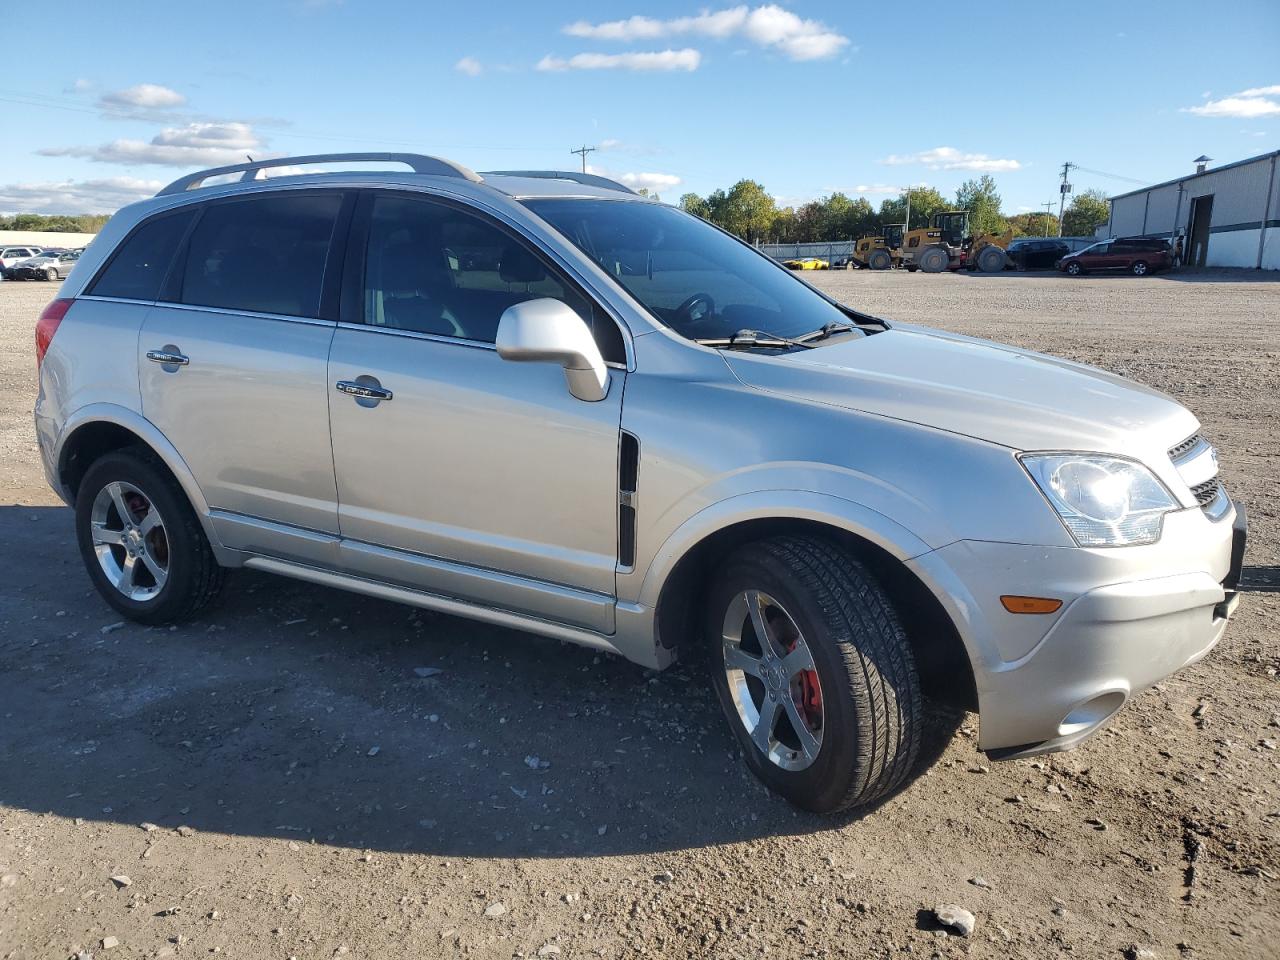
{"points": [[698, 309]]}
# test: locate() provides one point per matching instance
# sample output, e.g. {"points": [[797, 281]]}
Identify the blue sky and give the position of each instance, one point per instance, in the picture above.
{"points": [[805, 97]]}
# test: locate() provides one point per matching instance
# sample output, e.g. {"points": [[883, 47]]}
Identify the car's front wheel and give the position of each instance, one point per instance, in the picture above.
{"points": [[1138, 268], [141, 542], [1074, 269], [51, 274], [814, 673]]}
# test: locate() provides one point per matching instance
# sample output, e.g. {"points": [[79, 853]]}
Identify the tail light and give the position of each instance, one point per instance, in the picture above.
{"points": [[47, 326]]}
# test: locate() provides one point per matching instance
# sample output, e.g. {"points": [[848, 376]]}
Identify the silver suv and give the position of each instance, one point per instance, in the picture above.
{"points": [[539, 400]]}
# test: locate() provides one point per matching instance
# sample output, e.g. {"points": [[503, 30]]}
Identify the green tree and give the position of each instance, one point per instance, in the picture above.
{"points": [[1088, 211], [1034, 224], [982, 201], [692, 203], [746, 210], [925, 202]]}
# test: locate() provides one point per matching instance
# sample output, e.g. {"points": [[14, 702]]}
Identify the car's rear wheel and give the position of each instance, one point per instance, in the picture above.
{"points": [[814, 673], [1074, 269], [141, 542], [1138, 268]]}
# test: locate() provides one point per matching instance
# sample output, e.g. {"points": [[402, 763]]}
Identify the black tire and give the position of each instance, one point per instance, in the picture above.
{"points": [[1074, 269], [992, 259], [880, 260], [933, 260], [1139, 268], [194, 578], [869, 690]]}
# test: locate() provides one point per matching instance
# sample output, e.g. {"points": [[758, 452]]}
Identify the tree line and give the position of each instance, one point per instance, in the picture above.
{"points": [[747, 209], [59, 223]]}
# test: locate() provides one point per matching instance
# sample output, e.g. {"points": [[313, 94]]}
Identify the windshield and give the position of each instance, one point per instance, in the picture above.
{"points": [[700, 282]]}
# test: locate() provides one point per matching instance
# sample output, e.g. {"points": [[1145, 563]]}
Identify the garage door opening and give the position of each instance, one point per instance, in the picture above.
{"points": [[1198, 230]]}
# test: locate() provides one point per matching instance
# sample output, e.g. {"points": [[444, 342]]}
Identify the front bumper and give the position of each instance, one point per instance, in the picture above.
{"points": [[1131, 616]]}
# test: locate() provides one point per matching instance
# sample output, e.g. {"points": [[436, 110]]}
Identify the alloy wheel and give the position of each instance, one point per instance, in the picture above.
{"points": [[130, 541], [773, 680]]}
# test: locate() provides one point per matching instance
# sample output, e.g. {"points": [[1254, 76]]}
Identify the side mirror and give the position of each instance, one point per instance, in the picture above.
{"points": [[549, 331]]}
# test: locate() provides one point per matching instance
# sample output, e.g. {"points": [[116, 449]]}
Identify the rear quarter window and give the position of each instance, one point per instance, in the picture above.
{"points": [[138, 267]]}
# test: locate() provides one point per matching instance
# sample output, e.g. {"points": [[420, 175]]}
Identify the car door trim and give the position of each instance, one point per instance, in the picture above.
{"points": [[313, 321]]}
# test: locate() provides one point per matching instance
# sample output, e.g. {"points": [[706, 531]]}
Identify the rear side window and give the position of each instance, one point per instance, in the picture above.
{"points": [[139, 266], [263, 255]]}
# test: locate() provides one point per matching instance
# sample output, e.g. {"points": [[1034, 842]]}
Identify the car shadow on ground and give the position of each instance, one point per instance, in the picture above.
{"points": [[300, 712]]}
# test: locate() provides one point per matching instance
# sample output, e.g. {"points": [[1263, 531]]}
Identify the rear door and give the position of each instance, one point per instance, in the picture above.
{"points": [[473, 477], [232, 365]]}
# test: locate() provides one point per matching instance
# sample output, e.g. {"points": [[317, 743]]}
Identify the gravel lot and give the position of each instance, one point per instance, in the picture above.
{"points": [[278, 781]]}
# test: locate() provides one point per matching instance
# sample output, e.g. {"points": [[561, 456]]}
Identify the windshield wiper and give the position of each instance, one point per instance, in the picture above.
{"points": [[753, 338], [825, 331]]}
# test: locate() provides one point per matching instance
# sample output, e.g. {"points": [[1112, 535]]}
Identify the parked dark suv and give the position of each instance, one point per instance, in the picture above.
{"points": [[1036, 254], [1137, 255]]}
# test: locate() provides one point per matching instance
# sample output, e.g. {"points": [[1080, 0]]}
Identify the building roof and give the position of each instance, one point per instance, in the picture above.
{"points": [[1193, 176]]}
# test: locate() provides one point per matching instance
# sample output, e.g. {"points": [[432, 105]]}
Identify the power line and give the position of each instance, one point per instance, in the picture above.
{"points": [[1111, 176]]}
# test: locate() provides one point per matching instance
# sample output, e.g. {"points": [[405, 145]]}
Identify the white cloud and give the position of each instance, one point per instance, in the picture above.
{"points": [[76, 196], [193, 145], [610, 143], [656, 60], [878, 188], [949, 158], [768, 26], [653, 182], [470, 66], [1247, 104], [147, 96]]}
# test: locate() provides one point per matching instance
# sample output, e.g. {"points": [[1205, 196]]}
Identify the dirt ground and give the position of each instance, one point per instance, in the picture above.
{"points": [[277, 781]]}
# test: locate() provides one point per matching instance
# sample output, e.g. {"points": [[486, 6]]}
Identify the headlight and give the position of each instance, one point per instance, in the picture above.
{"points": [[1104, 501]]}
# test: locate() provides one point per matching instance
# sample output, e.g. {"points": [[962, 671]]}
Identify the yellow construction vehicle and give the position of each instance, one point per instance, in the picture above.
{"points": [[878, 252], [947, 245]]}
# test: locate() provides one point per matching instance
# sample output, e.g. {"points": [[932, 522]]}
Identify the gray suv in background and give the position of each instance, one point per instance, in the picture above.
{"points": [[541, 401]]}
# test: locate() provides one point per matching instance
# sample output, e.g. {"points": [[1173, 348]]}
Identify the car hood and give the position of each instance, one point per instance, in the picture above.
{"points": [[1015, 398]]}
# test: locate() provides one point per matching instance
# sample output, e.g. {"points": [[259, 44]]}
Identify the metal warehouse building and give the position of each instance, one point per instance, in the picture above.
{"points": [[1228, 216]]}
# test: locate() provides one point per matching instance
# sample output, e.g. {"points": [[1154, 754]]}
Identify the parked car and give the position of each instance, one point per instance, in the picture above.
{"points": [[50, 265], [840, 514], [1036, 253], [1137, 255], [11, 256], [806, 263]]}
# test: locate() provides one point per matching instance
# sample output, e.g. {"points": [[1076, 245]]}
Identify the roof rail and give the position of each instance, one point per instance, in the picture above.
{"points": [[586, 179], [417, 162]]}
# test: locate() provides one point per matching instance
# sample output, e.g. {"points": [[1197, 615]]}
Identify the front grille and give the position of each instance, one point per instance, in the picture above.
{"points": [[1205, 493], [1185, 447]]}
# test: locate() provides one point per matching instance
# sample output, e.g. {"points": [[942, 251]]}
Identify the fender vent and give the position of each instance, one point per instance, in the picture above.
{"points": [[628, 478]]}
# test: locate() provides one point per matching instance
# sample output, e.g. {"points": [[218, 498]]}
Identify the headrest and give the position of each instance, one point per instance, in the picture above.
{"points": [[518, 265]]}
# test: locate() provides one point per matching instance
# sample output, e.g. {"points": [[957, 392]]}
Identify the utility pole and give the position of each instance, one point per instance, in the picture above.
{"points": [[582, 151], [906, 226], [1048, 212], [1062, 193]]}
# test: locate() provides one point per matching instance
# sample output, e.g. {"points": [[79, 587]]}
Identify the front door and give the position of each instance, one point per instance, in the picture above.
{"points": [[233, 371], [471, 477]]}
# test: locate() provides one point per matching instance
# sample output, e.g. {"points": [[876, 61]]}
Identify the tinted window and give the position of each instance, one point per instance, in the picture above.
{"points": [[139, 266], [692, 277], [264, 254], [433, 268]]}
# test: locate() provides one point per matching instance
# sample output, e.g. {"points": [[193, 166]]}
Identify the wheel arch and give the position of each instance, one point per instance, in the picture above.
{"points": [[941, 655], [102, 428]]}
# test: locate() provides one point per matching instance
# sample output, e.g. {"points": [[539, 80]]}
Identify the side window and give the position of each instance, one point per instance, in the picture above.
{"points": [[139, 266], [435, 269], [264, 254]]}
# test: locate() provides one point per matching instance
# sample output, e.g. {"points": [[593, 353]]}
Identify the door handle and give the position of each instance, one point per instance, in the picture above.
{"points": [[362, 391], [166, 357]]}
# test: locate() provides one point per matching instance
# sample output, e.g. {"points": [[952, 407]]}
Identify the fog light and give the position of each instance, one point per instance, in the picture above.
{"points": [[1091, 713]]}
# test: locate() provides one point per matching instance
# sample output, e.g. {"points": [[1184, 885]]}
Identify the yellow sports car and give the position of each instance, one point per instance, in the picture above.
{"points": [[806, 263]]}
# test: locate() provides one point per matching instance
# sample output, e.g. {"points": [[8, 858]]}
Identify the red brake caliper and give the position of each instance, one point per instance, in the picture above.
{"points": [[810, 695]]}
